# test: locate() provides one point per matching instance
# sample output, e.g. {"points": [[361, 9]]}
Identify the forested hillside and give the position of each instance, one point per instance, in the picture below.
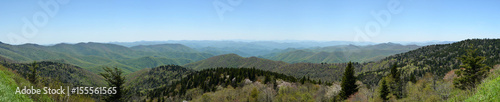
{"points": [[58, 72], [215, 79], [236, 61], [317, 71], [341, 54], [435, 59], [164, 48], [45, 74], [142, 81]]}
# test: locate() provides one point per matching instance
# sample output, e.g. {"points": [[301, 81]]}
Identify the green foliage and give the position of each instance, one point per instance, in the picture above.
{"points": [[326, 72], [211, 80], [33, 76], [428, 89], [348, 84], [473, 70], [435, 59], [384, 90], [338, 54], [254, 93], [92, 56], [235, 61], [115, 78], [150, 78], [413, 79], [8, 87], [489, 90], [50, 72], [394, 72]]}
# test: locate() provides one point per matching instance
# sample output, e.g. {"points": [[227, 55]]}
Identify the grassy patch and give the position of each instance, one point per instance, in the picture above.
{"points": [[489, 90], [8, 88]]}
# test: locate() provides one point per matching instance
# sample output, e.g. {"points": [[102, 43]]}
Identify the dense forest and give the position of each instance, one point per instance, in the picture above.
{"points": [[93, 56], [435, 59], [141, 82], [211, 80], [341, 54]]}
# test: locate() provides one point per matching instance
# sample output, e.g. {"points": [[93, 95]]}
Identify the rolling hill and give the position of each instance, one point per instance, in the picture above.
{"points": [[435, 59], [94, 56], [342, 53], [235, 61], [164, 48], [317, 71], [142, 81]]}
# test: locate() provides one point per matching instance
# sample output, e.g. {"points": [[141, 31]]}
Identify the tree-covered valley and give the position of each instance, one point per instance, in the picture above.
{"points": [[175, 72]]}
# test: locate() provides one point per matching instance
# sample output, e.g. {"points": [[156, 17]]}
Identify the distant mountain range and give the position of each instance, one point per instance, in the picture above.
{"points": [[437, 59], [93, 56], [259, 48], [341, 53]]}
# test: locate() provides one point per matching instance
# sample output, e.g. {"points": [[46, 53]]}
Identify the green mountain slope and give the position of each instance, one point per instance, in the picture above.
{"points": [[236, 61], [326, 72], [210, 80], [342, 54], [49, 74], [150, 62], [8, 84], [64, 73], [489, 90], [164, 48], [436, 59], [93, 56], [143, 80]]}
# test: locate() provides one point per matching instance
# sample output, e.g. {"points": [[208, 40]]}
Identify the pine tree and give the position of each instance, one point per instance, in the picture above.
{"points": [[396, 84], [303, 80], [348, 84], [33, 76], [115, 78], [413, 79], [472, 72], [394, 72], [384, 90], [267, 79]]}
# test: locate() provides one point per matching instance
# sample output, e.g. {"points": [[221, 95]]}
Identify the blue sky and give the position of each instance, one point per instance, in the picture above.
{"points": [[321, 20]]}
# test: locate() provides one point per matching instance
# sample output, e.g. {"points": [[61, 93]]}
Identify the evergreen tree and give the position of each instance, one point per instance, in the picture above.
{"points": [[115, 78], [472, 72], [394, 72], [413, 79], [303, 80], [267, 79], [33, 76], [395, 84], [384, 90], [348, 84]]}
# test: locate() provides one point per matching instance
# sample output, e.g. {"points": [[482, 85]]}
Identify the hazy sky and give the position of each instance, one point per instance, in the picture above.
{"points": [[26, 21]]}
